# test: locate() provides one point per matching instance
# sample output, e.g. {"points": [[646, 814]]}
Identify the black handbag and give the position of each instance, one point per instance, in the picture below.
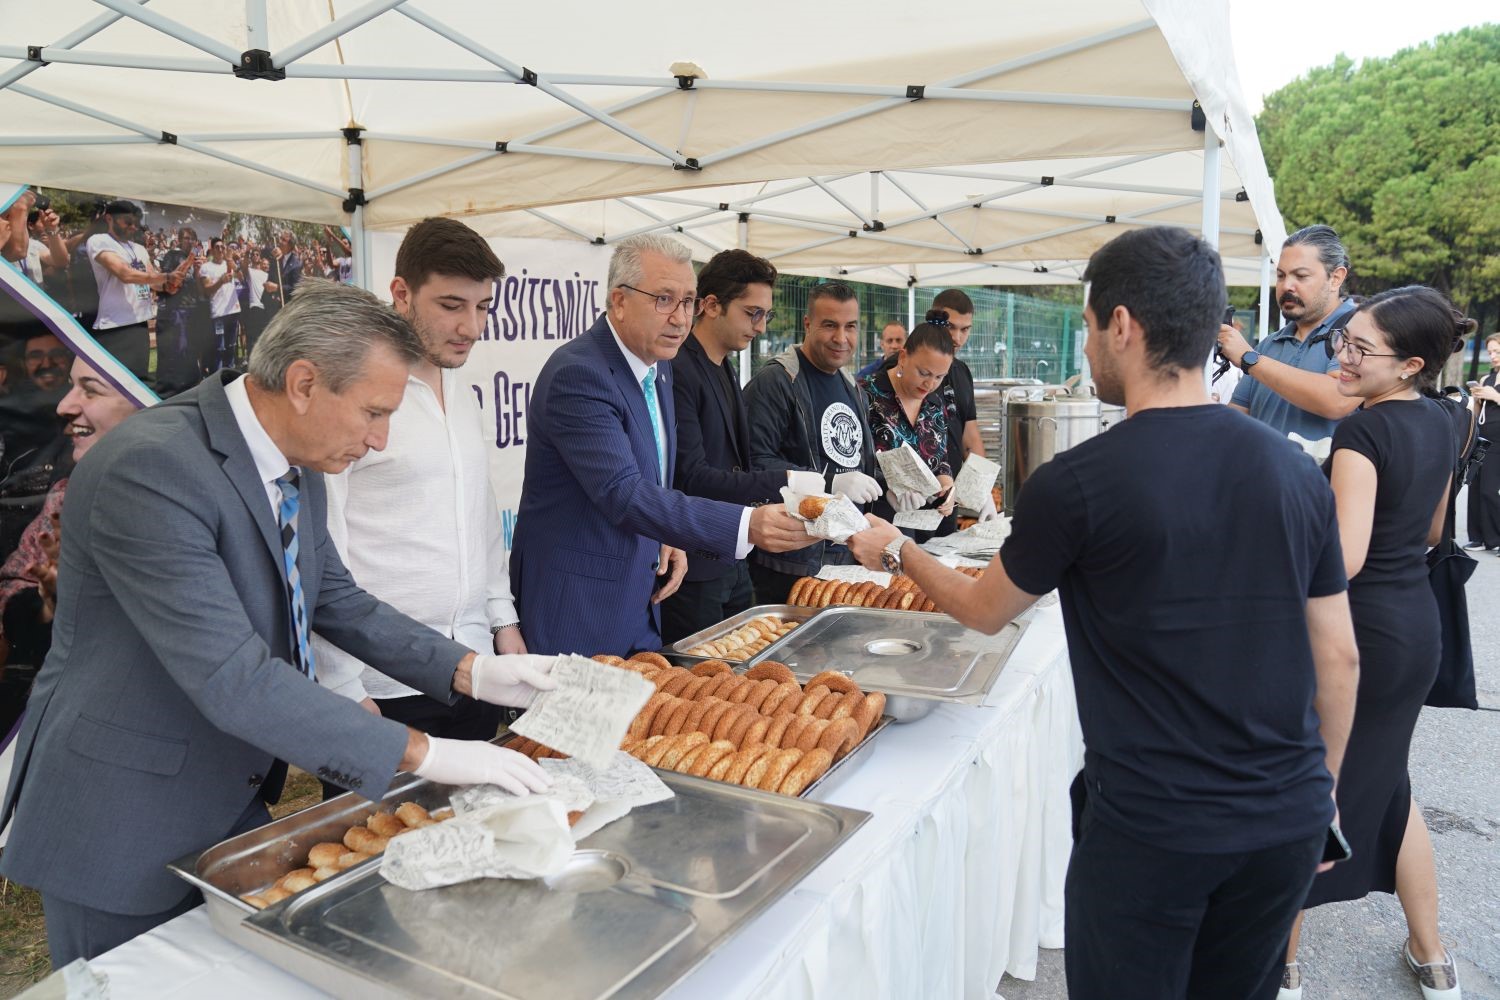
{"points": [[1448, 570]]}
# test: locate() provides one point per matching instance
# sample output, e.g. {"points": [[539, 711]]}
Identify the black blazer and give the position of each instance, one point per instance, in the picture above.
{"points": [[713, 445]]}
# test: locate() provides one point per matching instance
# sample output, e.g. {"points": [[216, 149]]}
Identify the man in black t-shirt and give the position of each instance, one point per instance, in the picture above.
{"points": [[963, 438], [1203, 594], [807, 415]]}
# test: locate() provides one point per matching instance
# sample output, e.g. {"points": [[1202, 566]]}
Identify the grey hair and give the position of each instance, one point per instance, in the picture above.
{"points": [[626, 267], [333, 326], [1325, 240]]}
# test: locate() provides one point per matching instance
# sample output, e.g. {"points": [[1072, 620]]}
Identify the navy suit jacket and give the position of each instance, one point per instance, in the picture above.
{"points": [[713, 444], [593, 515]]}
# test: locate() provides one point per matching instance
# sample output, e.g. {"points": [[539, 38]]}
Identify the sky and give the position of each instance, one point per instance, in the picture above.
{"points": [[1276, 41]]}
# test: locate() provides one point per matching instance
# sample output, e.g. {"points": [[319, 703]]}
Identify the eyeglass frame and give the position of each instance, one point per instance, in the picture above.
{"points": [[673, 302], [1339, 337]]}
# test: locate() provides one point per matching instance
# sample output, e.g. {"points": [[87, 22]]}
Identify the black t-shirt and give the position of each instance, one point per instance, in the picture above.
{"points": [[1489, 414], [1185, 544], [839, 439], [1412, 445], [959, 388]]}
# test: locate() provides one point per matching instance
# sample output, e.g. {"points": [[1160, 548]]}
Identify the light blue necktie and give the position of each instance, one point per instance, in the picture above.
{"points": [[648, 386], [289, 548]]}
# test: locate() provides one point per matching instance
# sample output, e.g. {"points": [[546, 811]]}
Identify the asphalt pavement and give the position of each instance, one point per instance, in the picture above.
{"points": [[1352, 951]]}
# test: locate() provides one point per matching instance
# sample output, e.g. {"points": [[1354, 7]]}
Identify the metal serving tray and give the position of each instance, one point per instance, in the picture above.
{"points": [[786, 612], [917, 660], [252, 861], [642, 903]]}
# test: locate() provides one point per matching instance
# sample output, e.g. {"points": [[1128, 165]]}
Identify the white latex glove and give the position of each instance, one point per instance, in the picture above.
{"points": [[511, 680], [856, 486], [804, 483], [475, 762], [988, 511], [902, 502]]}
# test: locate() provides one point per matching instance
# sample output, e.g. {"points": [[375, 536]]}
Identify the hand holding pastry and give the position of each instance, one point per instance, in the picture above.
{"points": [[773, 529], [474, 762]]}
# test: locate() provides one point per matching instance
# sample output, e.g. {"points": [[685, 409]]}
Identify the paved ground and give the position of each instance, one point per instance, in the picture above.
{"points": [[1351, 951]]}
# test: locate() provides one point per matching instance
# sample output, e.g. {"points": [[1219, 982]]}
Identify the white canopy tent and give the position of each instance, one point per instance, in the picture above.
{"points": [[1083, 116]]}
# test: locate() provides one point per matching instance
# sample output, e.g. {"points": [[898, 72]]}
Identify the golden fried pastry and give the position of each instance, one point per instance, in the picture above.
{"points": [[349, 859], [654, 658], [322, 855], [325, 873], [839, 737], [442, 815], [812, 507], [296, 881], [795, 595], [255, 900], [275, 894], [834, 680], [778, 672], [812, 766], [387, 825], [778, 765], [358, 836], [410, 814], [709, 668], [679, 745]]}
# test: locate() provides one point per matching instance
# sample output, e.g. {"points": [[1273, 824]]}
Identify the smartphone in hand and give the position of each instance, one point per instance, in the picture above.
{"points": [[1336, 848]]}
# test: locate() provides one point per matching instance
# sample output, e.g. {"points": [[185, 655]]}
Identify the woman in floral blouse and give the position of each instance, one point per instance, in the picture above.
{"points": [[906, 407]]}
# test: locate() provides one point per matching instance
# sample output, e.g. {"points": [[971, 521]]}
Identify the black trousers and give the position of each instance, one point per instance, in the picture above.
{"points": [[131, 346], [771, 587], [1146, 923], [78, 931], [1484, 500], [465, 719], [701, 603]]}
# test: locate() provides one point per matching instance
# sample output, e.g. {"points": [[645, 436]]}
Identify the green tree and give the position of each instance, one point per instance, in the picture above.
{"points": [[1402, 157]]}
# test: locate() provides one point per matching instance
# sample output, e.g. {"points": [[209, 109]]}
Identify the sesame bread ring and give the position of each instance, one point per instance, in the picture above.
{"points": [[839, 737], [694, 721], [812, 594], [872, 593], [606, 658], [629, 745], [828, 704], [658, 726], [722, 766], [884, 598], [793, 731], [811, 734], [867, 713], [777, 770], [855, 597], [718, 684], [757, 770], [904, 602], [656, 659], [778, 672], [838, 592], [643, 749], [709, 755], [386, 825], [716, 711], [778, 727], [323, 855], [694, 687], [834, 680], [813, 765], [685, 763], [759, 693], [756, 733], [521, 745], [795, 596], [727, 721], [744, 760], [743, 690], [654, 755], [709, 668], [675, 680], [677, 717], [742, 726], [645, 715], [810, 698], [847, 704], [904, 582], [680, 745], [826, 592], [778, 696]]}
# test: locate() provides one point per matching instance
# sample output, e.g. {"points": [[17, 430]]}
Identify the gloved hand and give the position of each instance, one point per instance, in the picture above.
{"points": [[475, 762], [511, 680], [902, 502], [856, 486], [988, 511]]}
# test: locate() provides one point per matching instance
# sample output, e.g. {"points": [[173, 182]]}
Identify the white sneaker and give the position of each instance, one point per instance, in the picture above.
{"points": [[1439, 980], [1291, 983]]}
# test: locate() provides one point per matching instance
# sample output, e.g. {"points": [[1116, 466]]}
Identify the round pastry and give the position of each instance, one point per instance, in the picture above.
{"points": [[326, 873], [376, 845], [654, 755], [727, 721], [810, 768], [808, 735], [742, 726], [722, 766], [744, 760], [442, 815], [778, 672], [716, 711], [780, 764], [757, 770], [644, 748], [839, 737], [654, 658], [778, 696], [812, 694], [677, 717], [869, 711], [715, 683], [675, 680], [694, 687], [812, 507], [727, 690], [349, 859], [709, 668], [296, 881], [275, 894], [760, 691], [607, 659], [756, 733], [847, 704], [685, 762], [694, 721], [678, 746], [742, 691], [709, 755], [793, 731], [904, 582], [325, 854], [872, 590], [828, 703], [359, 836], [794, 596], [256, 901], [641, 726], [777, 728], [905, 600], [834, 680], [387, 825]]}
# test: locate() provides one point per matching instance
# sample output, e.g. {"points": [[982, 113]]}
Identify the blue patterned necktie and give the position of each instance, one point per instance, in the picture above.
{"points": [[289, 547], [648, 386]]}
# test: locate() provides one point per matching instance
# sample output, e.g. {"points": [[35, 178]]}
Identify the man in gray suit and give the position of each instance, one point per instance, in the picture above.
{"points": [[195, 563]]}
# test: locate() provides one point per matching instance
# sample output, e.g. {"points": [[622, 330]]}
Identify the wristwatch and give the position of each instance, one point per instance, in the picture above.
{"points": [[1248, 360], [496, 629], [890, 556]]}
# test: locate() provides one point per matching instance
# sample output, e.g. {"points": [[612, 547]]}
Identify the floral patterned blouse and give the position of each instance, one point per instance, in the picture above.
{"points": [[15, 574], [891, 428]]}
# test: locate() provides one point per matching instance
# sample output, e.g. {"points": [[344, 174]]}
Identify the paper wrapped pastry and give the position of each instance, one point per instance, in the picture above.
{"points": [[971, 488], [513, 838], [623, 785], [587, 714], [834, 517], [905, 472]]}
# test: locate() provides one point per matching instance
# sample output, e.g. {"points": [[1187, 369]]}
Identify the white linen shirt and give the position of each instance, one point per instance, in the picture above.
{"points": [[418, 526], [270, 463]]}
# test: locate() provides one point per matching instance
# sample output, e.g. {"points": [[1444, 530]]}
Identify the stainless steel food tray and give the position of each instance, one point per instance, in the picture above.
{"points": [[917, 660], [643, 902], [786, 612]]}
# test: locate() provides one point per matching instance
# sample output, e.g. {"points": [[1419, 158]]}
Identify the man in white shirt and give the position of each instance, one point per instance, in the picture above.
{"points": [[126, 277], [450, 573], [217, 278], [257, 315]]}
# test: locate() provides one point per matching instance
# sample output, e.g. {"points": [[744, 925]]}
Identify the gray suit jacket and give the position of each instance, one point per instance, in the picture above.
{"points": [[168, 696]]}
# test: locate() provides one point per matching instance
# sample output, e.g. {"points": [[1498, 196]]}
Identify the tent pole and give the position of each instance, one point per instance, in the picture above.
{"points": [[830, 192], [742, 240], [333, 29], [357, 236], [80, 34], [1066, 182], [1265, 296], [173, 29], [119, 59], [911, 298], [1210, 192], [256, 34], [659, 225], [875, 195]]}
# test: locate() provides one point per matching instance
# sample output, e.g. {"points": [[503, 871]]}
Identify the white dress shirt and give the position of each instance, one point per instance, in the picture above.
{"points": [[418, 526], [270, 463], [639, 368]]}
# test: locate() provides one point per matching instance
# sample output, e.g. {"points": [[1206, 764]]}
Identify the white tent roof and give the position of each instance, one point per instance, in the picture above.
{"points": [[545, 111]]}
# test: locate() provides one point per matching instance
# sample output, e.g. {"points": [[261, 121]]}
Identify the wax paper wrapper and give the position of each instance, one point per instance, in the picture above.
{"points": [[1318, 450], [511, 838], [854, 574], [972, 485], [919, 520], [905, 472], [587, 714], [840, 519]]}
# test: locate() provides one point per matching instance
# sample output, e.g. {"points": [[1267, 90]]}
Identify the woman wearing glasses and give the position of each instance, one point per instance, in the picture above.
{"points": [[1484, 491], [906, 407], [1391, 467]]}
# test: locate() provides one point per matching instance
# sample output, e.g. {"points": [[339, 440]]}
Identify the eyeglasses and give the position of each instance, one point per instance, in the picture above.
{"points": [[1339, 343], [56, 356], [667, 303], [757, 314]]}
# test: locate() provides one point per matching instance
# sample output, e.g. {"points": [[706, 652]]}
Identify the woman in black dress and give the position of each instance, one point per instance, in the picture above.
{"points": [[1484, 491], [1391, 467]]}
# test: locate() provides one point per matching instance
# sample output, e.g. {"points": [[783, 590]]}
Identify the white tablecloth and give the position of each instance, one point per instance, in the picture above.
{"points": [[956, 879]]}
